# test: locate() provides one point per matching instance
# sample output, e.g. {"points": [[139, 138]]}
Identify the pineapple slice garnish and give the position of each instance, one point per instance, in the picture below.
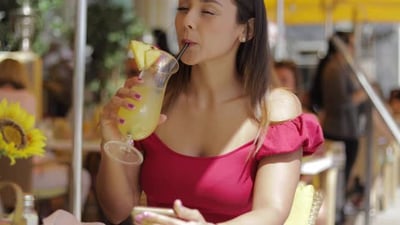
{"points": [[145, 54]]}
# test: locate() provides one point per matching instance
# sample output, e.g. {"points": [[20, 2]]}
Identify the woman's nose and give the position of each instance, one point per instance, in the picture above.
{"points": [[190, 20]]}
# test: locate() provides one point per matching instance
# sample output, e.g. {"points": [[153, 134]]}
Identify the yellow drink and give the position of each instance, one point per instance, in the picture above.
{"points": [[157, 66], [141, 121]]}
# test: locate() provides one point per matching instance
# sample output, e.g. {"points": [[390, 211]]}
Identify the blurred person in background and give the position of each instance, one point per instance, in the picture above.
{"points": [[57, 79], [14, 85], [289, 77], [46, 173], [286, 71], [337, 98]]}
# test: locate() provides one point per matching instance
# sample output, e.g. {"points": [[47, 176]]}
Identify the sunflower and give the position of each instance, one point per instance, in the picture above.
{"points": [[18, 137]]}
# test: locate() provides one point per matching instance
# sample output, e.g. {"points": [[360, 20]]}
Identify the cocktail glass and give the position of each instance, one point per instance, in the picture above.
{"points": [[141, 121]]}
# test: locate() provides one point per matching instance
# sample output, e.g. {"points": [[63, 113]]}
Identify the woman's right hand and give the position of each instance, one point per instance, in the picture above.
{"points": [[109, 118]]}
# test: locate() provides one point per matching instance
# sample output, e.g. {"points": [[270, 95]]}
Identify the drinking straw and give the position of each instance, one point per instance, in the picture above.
{"points": [[182, 51]]}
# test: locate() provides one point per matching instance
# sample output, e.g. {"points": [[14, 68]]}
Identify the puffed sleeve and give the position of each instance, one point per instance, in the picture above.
{"points": [[303, 132]]}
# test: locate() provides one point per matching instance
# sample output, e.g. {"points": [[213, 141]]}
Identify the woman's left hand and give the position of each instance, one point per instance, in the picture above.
{"points": [[184, 216]]}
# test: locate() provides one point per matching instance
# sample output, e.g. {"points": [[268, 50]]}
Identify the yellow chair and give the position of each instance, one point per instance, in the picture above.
{"points": [[16, 216], [306, 204]]}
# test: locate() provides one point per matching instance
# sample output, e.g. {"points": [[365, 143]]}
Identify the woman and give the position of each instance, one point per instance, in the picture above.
{"points": [[287, 73], [228, 149], [339, 99], [289, 77], [14, 85], [14, 88]]}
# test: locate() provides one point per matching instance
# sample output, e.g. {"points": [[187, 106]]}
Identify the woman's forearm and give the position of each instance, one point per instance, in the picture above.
{"points": [[117, 188], [270, 216]]}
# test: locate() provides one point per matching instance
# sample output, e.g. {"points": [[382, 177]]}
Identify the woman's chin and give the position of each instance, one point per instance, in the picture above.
{"points": [[188, 61]]}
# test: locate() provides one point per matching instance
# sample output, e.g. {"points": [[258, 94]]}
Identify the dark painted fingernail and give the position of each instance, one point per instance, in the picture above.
{"points": [[121, 121], [131, 106], [137, 96]]}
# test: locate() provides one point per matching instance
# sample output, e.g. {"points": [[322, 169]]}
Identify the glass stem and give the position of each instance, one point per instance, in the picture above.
{"points": [[129, 139]]}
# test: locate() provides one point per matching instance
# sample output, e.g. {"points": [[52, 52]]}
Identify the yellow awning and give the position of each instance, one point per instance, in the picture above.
{"points": [[317, 11]]}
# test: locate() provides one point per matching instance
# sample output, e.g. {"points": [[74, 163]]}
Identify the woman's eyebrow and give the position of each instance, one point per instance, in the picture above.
{"points": [[212, 1]]}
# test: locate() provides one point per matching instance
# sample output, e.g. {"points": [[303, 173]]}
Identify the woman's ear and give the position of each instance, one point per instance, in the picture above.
{"points": [[248, 31]]}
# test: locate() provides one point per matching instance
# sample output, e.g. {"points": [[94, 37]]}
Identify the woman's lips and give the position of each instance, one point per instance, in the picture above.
{"points": [[184, 41]]}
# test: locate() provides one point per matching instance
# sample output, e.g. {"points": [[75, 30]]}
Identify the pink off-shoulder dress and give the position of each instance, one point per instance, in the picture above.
{"points": [[221, 187]]}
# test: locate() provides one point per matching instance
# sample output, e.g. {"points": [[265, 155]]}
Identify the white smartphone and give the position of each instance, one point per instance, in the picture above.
{"points": [[164, 211]]}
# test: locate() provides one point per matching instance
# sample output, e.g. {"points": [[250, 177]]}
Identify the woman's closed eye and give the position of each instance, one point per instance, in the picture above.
{"points": [[209, 12], [182, 9]]}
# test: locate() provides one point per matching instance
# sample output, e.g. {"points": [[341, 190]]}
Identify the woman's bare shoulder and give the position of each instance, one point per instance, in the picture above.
{"points": [[283, 105]]}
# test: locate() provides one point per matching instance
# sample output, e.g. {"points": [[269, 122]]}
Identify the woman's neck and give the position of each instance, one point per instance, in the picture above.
{"points": [[214, 83]]}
